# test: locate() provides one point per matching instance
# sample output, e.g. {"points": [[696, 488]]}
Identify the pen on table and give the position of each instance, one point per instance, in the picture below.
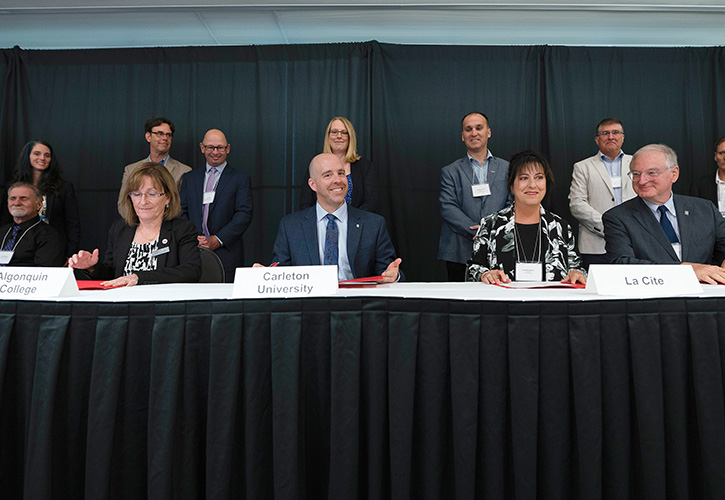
{"points": [[274, 264]]}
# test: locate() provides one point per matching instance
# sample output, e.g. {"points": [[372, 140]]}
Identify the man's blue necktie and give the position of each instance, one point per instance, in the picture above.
{"points": [[331, 237], [667, 225], [10, 243]]}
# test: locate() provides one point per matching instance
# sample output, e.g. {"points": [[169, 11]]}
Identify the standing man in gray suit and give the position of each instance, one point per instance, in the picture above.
{"points": [[471, 188], [159, 131], [659, 227], [599, 183]]}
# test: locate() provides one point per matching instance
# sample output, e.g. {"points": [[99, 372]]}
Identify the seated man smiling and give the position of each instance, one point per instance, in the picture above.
{"points": [[660, 227], [334, 233]]}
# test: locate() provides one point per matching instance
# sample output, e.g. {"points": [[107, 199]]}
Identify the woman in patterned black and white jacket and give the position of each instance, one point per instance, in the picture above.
{"points": [[525, 242]]}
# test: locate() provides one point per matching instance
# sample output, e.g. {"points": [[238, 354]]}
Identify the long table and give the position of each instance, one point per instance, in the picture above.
{"points": [[407, 391]]}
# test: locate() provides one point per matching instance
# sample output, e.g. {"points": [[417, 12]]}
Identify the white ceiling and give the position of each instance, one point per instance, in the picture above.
{"points": [[77, 24]]}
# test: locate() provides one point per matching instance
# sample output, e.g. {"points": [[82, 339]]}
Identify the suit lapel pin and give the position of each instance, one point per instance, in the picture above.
{"points": [[357, 226], [687, 212], [164, 241]]}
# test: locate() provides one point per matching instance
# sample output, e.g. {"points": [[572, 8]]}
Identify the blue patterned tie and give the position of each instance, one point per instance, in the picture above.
{"points": [[9, 244], [331, 237], [667, 225]]}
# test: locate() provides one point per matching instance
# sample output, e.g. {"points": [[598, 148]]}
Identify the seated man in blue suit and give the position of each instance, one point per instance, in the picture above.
{"points": [[659, 227], [333, 232]]}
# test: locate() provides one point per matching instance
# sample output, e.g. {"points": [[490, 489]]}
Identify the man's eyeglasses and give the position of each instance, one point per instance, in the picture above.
{"points": [[615, 133], [161, 135], [648, 175], [151, 195], [338, 132], [215, 148]]}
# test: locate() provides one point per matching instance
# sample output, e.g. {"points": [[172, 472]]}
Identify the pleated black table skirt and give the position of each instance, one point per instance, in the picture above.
{"points": [[363, 398]]}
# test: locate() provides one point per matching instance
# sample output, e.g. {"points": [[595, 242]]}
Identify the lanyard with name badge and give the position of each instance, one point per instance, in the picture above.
{"points": [[7, 255], [525, 270]]}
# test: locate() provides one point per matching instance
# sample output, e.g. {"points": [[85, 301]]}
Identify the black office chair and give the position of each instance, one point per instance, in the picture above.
{"points": [[212, 269]]}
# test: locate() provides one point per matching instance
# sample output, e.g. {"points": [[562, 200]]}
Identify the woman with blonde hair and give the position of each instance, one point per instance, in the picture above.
{"points": [[362, 179], [150, 244]]}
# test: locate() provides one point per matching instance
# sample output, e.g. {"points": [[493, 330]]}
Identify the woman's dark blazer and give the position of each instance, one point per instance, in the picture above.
{"points": [[62, 213], [181, 264], [364, 187]]}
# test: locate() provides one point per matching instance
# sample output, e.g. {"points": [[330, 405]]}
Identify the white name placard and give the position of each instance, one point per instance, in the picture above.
{"points": [[637, 280], [287, 281], [34, 282]]}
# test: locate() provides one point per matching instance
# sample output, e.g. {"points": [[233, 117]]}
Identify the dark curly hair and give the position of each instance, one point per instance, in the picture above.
{"points": [[521, 161], [51, 180]]}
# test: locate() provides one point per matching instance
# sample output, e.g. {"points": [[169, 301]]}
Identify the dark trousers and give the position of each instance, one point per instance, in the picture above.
{"points": [[456, 271]]}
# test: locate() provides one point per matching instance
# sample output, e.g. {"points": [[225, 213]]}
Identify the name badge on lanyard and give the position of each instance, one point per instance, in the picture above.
{"points": [[479, 190], [528, 271], [6, 256], [208, 197], [616, 182]]}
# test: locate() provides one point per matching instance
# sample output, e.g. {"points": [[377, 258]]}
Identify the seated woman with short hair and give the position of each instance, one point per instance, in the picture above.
{"points": [[150, 244], [525, 242]]}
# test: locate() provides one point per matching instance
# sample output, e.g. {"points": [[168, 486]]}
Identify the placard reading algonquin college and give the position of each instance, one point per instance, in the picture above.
{"points": [[33, 282], [288, 281], [638, 280]]}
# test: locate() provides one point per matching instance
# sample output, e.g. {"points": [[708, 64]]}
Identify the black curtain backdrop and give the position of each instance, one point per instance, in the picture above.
{"points": [[406, 103]]}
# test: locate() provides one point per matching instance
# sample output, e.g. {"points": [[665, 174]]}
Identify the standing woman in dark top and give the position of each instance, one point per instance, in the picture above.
{"points": [[37, 165], [362, 179]]}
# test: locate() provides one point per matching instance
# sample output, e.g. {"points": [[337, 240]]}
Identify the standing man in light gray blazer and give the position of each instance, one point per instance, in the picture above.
{"points": [[158, 132], [471, 188], [599, 183], [659, 227]]}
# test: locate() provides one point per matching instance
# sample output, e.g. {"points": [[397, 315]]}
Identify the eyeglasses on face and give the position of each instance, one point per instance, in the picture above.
{"points": [[161, 135], [338, 132], [615, 133], [648, 175], [215, 148], [151, 195]]}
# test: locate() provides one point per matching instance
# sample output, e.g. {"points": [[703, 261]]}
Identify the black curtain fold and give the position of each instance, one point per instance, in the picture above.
{"points": [[362, 398]]}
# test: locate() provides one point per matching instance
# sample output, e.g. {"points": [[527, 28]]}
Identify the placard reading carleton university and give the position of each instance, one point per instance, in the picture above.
{"points": [[291, 281], [31, 282]]}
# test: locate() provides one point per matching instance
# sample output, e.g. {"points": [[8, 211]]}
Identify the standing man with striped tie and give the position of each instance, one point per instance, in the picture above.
{"points": [[218, 200], [660, 227]]}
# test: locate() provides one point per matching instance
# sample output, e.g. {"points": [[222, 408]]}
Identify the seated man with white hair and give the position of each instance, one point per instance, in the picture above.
{"points": [[660, 227]]}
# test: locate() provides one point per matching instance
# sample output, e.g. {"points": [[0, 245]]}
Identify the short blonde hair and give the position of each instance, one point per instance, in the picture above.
{"points": [[351, 155], [161, 179]]}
